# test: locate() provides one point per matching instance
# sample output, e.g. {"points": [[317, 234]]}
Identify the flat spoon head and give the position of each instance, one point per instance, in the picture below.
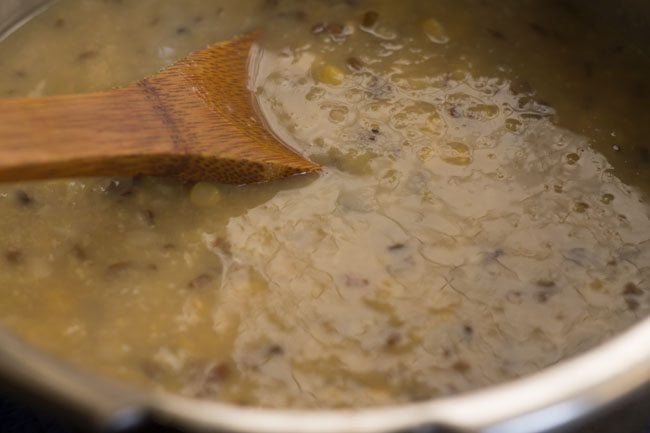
{"points": [[209, 109]]}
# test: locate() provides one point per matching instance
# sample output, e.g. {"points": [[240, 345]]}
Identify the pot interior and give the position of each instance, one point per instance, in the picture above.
{"points": [[482, 214]]}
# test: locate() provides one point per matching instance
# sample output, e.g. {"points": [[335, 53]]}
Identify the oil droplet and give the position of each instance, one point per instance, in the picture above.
{"points": [[315, 93], [338, 114], [425, 153], [513, 125], [456, 153], [607, 198], [435, 31], [483, 112], [572, 158], [581, 207]]}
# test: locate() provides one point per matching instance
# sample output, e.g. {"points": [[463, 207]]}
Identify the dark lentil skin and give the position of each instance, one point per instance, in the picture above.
{"points": [[23, 199], [14, 256], [370, 19]]}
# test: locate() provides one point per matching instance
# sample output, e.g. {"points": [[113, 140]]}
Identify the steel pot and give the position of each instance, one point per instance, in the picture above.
{"points": [[568, 393]]}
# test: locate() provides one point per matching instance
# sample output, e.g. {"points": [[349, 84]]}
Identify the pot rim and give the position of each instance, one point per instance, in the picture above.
{"points": [[558, 395], [568, 392]]}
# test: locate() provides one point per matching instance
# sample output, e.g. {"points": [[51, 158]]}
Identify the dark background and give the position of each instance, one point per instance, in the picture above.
{"points": [[16, 417]]}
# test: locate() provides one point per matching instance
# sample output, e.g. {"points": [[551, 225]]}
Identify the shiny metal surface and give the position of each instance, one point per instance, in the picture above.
{"points": [[570, 392], [14, 12]]}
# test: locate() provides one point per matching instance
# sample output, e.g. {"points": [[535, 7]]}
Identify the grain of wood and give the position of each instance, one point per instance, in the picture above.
{"points": [[194, 120]]}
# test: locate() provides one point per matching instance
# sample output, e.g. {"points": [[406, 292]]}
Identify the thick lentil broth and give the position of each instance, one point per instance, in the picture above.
{"points": [[482, 214]]}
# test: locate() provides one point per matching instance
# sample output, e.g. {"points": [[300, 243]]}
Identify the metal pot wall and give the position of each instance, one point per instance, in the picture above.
{"points": [[568, 393]]}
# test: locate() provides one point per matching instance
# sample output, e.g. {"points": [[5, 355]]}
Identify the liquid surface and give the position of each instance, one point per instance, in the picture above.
{"points": [[483, 213]]}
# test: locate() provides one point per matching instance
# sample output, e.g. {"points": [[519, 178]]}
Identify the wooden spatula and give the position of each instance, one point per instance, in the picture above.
{"points": [[194, 120]]}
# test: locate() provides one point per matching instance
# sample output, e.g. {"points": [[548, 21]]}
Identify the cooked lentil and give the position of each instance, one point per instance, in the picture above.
{"points": [[483, 212]]}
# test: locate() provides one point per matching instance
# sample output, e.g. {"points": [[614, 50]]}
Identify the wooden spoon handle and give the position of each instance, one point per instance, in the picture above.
{"points": [[194, 120], [110, 133]]}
